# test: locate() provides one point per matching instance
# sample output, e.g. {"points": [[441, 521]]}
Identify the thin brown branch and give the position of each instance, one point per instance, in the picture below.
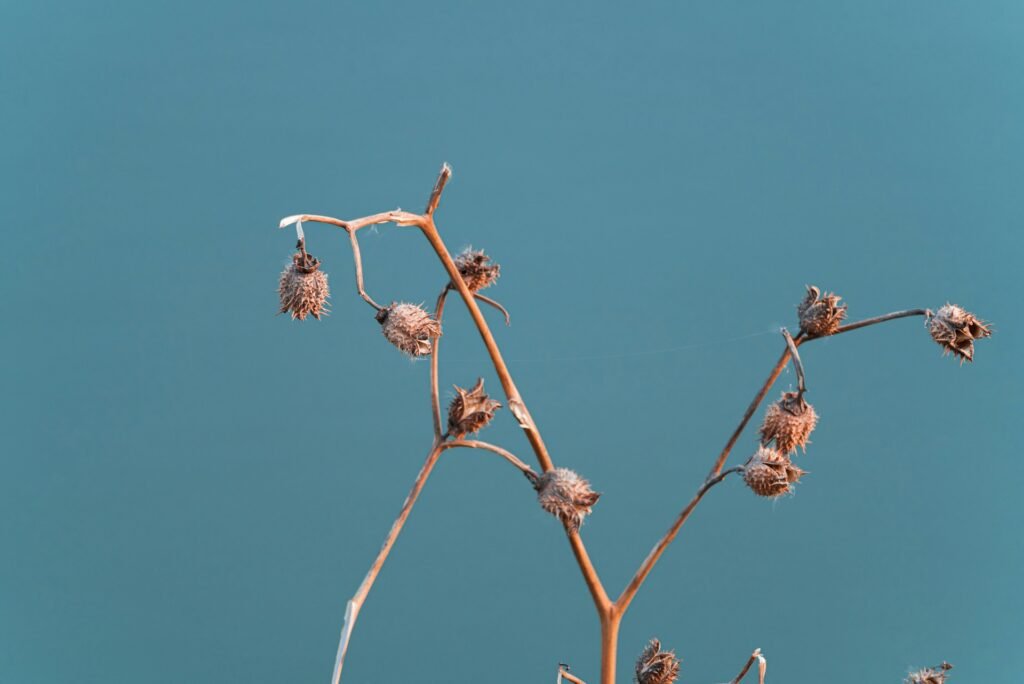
{"points": [[881, 319], [496, 305], [435, 195], [358, 258], [487, 446], [622, 603], [752, 408], [356, 602], [435, 396], [792, 343], [756, 655], [797, 363], [563, 673], [515, 402], [397, 216]]}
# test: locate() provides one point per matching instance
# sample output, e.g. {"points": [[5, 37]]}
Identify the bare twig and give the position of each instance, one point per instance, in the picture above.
{"points": [[797, 363], [507, 455], [762, 667], [357, 257], [356, 602], [435, 397], [435, 195], [563, 673], [881, 319], [496, 305], [622, 603]]}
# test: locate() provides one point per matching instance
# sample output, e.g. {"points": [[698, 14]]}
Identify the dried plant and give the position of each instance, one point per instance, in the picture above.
{"points": [[302, 287], [787, 424], [820, 315], [930, 675], [655, 666], [477, 269], [470, 411], [956, 330], [566, 495]]}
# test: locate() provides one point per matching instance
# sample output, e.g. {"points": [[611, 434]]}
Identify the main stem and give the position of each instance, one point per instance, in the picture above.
{"points": [[516, 404]]}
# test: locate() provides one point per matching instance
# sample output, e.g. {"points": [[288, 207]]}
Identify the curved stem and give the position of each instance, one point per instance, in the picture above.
{"points": [[496, 305], [756, 655], [563, 673], [356, 602], [880, 319], [797, 363], [357, 257], [487, 446], [622, 603], [435, 395]]}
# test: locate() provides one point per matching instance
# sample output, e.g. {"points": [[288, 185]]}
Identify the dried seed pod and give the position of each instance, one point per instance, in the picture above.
{"points": [[820, 315], [770, 473], [789, 421], [477, 269], [655, 666], [929, 675], [956, 330], [470, 411], [565, 495], [303, 288], [409, 327]]}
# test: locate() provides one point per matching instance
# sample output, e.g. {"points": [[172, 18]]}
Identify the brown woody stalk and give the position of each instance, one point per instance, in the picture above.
{"points": [[610, 613], [762, 667]]}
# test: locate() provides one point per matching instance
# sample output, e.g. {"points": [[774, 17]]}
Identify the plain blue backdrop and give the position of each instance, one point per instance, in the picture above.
{"points": [[191, 487]]}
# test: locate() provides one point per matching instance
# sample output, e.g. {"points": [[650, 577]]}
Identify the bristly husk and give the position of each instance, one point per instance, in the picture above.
{"points": [[790, 422], [565, 495], [820, 315], [409, 327], [655, 666], [470, 411], [477, 269], [303, 288], [930, 675], [956, 330], [770, 473]]}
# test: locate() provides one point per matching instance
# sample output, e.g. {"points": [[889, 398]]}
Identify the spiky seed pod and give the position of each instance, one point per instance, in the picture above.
{"points": [[770, 473], [789, 421], [930, 675], [303, 288], [470, 411], [409, 327], [655, 666], [477, 269], [565, 495], [956, 330], [820, 315]]}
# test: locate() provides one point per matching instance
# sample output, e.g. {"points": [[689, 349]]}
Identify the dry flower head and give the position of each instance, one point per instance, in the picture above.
{"points": [[789, 421], [303, 288], [820, 315], [770, 472], [956, 330], [655, 666], [409, 327], [930, 675], [470, 410], [477, 269], [565, 495]]}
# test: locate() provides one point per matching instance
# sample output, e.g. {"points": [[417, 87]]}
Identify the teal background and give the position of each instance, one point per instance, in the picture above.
{"points": [[191, 487]]}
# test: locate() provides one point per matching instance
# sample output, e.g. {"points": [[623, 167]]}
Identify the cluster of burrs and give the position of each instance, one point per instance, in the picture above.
{"points": [[789, 422]]}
